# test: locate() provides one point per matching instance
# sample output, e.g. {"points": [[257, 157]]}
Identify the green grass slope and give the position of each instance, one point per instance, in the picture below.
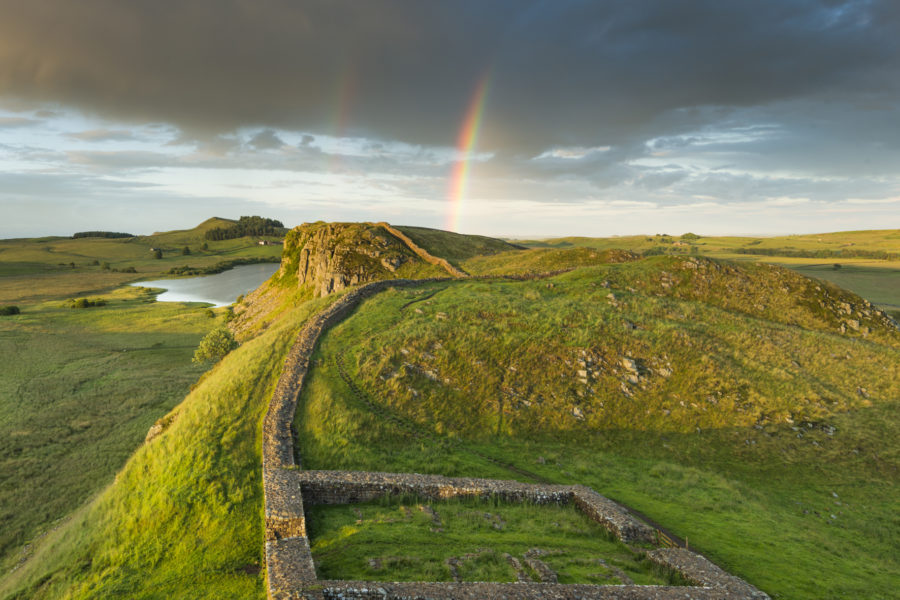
{"points": [[733, 412], [183, 518], [78, 391]]}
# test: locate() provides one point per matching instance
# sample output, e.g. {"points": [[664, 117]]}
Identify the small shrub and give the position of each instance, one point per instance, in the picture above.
{"points": [[210, 313], [157, 253], [185, 251], [85, 302], [215, 346], [205, 246], [690, 236], [239, 299], [836, 266], [105, 266], [129, 270], [9, 310], [95, 262]]}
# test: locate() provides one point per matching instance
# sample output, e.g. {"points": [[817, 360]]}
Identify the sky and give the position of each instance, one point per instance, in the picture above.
{"points": [[516, 118]]}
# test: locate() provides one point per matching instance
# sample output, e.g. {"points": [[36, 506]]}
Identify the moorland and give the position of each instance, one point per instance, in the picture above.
{"points": [[743, 405]]}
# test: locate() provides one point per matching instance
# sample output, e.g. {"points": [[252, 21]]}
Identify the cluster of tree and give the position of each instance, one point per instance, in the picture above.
{"points": [[85, 302], [247, 226], [106, 267], [660, 250], [9, 310], [102, 234], [219, 267], [842, 253]]}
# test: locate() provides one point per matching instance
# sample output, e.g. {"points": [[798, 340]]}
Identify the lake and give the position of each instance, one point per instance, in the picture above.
{"points": [[220, 289]]}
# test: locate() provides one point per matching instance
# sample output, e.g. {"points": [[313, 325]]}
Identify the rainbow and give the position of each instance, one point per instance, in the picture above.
{"points": [[346, 96], [465, 145]]}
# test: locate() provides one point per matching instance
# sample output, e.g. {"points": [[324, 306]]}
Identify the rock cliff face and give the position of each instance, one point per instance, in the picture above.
{"points": [[328, 257]]}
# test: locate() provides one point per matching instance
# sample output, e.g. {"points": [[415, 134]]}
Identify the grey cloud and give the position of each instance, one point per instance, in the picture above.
{"points": [[104, 135], [266, 140], [561, 72], [15, 122]]}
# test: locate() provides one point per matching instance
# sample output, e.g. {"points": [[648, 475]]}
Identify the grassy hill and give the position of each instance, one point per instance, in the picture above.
{"points": [[741, 428], [740, 405], [869, 261]]}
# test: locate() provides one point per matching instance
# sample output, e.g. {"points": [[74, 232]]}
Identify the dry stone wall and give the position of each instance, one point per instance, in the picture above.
{"points": [[290, 569], [422, 253]]}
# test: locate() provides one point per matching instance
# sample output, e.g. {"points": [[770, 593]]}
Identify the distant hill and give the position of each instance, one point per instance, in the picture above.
{"points": [[60, 267]]}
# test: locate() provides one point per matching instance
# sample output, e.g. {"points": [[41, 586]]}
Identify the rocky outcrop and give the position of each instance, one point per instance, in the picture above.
{"points": [[329, 257]]}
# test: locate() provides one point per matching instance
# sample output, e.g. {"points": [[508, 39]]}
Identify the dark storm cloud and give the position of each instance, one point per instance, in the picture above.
{"points": [[266, 140], [561, 72]]}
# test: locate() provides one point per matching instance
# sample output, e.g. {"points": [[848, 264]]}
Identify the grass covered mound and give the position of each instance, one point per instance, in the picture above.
{"points": [[406, 539], [790, 482], [578, 352], [183, 518], [455, 247], [544, 260]]}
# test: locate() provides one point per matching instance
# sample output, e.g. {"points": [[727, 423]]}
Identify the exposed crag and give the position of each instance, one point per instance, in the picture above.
{"points": [[328, 257]]}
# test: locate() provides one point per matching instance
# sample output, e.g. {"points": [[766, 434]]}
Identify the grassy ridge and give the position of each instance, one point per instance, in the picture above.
{"points": [[183, 518], [755, 494]]}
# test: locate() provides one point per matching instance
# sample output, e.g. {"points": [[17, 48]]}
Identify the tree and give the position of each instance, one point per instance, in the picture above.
{"points": [[215, 346], [205, 246], [9, 310], [186, 251], [157, 253]]}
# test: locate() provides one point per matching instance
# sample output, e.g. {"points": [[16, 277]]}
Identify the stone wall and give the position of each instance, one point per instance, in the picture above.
{"points": [[290, 569], [422, 253], [284, 506]]}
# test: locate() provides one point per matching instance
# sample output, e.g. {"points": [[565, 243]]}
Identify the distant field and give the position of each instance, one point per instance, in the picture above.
{"points": [[79, 389], [34, 270]]}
